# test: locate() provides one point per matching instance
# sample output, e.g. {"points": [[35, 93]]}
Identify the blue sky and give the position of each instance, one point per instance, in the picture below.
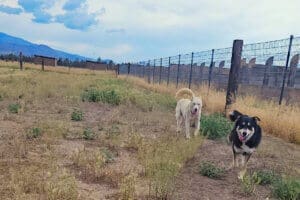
{"points": [[134, 30]]}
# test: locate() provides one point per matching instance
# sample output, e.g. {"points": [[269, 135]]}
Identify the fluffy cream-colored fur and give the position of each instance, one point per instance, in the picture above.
{"points": [[188, 110]]}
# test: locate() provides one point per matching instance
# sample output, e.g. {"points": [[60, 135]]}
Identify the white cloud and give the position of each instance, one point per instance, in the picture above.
{"points": [[146, 29], [11, 3]]}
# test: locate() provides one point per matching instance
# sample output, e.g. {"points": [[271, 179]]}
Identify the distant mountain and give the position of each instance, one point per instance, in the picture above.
{"points": [[10, 44]]}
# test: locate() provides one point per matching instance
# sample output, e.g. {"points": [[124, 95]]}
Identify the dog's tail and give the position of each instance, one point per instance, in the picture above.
{"points": [[183, 92]]}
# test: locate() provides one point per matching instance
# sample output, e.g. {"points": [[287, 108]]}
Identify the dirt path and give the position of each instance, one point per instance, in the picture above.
{"points": [[191, 185], [273, 153]]}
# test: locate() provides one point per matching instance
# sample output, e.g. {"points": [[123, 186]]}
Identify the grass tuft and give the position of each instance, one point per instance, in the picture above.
{"points": [[88, 134], [14, 108], [34, 133], [210, 170], [286, 189], [77, 115]]}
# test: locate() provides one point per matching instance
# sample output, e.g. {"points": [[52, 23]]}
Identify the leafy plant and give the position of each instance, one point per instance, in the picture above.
{"points": [[105, 96], [34, 133], [77, 115], [108, 154], [88, 134], [286, 189], [210, 170], [215, 126], [267, 177], [14, 107]]}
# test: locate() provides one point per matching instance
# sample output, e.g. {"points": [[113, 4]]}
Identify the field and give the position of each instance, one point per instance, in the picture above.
{"points": [[80, 134]]}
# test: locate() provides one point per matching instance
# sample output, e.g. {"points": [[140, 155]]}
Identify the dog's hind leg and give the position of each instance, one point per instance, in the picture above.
{"points": [[179, 124]]}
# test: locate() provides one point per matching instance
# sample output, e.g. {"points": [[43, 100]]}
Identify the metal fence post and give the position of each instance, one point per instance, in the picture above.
{"points": [[285, 70], [211, 66], [169, 71], [160, 68], [153, 71], [178, 70], [234, 73], [191, 70]]}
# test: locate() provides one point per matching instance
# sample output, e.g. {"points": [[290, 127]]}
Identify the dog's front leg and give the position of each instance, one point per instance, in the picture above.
{"points": [[187, 128], [244, 166], [197, 127]]}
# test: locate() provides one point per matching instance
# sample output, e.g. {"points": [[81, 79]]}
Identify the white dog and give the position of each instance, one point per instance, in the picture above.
{"points": [[187, 111]]}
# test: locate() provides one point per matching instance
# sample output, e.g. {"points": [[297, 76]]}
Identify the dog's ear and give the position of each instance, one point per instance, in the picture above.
{"points": [[234, 115], [256, 118]]}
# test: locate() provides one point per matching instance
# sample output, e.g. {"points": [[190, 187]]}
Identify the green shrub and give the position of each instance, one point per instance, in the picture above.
{"points": [[286, 189], [108, 155], [1, 97], [105, 96], [267, 177], [210, 170], [34, 133], [14, 107], [88, 134], [215, 126], [77, 115]]}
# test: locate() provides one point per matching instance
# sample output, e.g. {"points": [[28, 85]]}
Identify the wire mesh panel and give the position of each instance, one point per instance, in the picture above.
{"points": [[174, 68], [264, 67], [262, 71]]}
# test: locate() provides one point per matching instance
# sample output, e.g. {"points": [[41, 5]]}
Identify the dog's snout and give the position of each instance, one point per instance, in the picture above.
{"points": [[244, 134], [196, 109]]}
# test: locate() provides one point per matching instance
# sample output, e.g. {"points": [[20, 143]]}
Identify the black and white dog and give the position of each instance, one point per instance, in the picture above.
{"points": [[245, 137]]}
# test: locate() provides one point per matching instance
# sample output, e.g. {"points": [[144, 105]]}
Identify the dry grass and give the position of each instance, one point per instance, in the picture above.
{"points": [[162, 159], [281, 121], [14, 66], [129, 155]]}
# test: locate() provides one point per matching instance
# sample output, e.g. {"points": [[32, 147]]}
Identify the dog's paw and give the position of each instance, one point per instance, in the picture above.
{"points": [[242, 174]]}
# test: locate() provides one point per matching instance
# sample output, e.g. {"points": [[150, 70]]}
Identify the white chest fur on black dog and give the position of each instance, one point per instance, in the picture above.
{"points": [[245, 136], [188, 111]]}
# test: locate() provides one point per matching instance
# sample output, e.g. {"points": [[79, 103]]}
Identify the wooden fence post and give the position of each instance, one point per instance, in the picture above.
{"points": [[293, 69], [160, 68], [153, 72], [191, 70], [21, 61], [149, 71], [169, 71], [202, 65], [128, 69], [234, 73], [43, 67], [178, 71], [268, 66]]}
